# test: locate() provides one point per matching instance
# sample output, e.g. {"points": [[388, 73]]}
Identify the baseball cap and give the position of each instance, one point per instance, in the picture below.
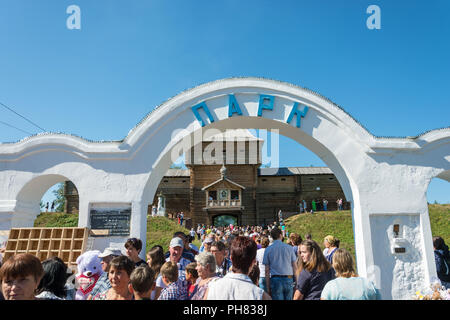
{"points": [[176, 242], [110, 252]]}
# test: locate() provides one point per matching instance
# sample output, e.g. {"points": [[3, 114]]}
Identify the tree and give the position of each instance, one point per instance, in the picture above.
{"points": [[60, 200]]}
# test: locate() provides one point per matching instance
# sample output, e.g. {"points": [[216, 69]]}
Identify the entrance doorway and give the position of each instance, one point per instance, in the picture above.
{"points": [[224, 220]]}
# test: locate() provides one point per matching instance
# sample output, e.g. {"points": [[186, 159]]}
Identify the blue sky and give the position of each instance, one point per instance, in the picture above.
{"points": [[130, 56]]}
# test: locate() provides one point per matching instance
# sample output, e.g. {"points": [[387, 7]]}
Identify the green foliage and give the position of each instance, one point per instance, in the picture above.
{"points": [[440, 221], [60, 199]]}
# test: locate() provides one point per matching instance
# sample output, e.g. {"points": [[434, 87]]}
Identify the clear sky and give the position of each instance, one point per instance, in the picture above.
{"points": [[130, 56]]}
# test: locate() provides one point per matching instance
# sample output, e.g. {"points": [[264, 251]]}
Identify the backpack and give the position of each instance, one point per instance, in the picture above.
{"points": [[445, 275]]}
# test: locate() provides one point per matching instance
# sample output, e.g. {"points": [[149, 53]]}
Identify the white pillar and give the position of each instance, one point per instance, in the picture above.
{"points": [[138, 224]]}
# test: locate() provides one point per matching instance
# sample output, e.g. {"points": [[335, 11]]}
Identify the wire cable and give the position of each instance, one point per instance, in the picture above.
{"points": [[22, 117], [9, 125]]}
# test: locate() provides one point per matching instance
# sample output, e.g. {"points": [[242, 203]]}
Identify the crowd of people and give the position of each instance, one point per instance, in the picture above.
{"points": [[232, 263], [318, 205]]}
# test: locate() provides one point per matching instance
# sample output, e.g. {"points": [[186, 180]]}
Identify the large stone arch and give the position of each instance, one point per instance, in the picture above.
{"points": [[27, 202], [370, 169]]}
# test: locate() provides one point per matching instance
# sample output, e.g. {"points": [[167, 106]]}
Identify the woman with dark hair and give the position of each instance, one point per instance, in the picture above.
{"points": [[155, 260], [237, 285], [134, 247], [20, 276], [313, 271], [442, 259], [119, 273], [52, 284], [254, 274], [296, 240]]}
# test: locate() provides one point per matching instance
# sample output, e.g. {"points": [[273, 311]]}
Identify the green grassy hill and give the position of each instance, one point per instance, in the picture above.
{"points": [[160, 231], [55, 220], [320, 224]]}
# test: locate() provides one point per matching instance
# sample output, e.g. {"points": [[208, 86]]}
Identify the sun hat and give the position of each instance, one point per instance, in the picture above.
{"points": [[176, 242], [110, 252]]}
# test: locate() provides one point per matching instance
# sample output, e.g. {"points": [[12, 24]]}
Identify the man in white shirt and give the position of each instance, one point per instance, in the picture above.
{"points": [[175, 249]]}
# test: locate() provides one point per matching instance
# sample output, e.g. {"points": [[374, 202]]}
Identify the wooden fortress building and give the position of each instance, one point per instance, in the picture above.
{"points": [[234, 188]]}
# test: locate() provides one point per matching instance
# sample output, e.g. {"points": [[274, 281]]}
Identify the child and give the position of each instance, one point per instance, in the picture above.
{"points": [[142, 282], [191, 277], [175, 289]]}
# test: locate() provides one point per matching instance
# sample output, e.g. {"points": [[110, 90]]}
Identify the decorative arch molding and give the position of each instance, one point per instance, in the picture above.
{"points": [[370, 169]]}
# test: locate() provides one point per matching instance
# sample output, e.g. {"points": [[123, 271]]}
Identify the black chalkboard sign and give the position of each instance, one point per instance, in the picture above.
{"points": [[117, 221]]}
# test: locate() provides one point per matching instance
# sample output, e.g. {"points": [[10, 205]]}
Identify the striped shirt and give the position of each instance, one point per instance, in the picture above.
{"points": [[174, 291], [102, 285]]}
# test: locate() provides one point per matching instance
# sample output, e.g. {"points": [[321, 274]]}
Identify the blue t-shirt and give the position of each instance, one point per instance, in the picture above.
{"points": [[354, 288], [279, 257], [311, 284]]}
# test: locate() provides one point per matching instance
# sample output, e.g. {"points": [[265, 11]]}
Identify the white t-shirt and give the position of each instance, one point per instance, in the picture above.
{"points": [[259, 258], [234, 286]]}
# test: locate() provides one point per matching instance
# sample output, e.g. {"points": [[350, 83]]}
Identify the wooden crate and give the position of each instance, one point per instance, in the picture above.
{"points": [[65, 243]]}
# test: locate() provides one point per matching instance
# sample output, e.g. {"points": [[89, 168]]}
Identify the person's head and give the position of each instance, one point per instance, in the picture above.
{"points": [[207, 243], [343, 264], [191, 272], [107, 255], [308, 236], [254, 274], [275, 233], [20, 276], [169, 272], [176, 247], [120, 269], [329, 241], [296, 239], [311, 257], [438, 243], [265, 242], [142, 281], [134, 247], [218, 250], [55, 277], [155, 258], [206, 264], [243, 254], [183, 237]]}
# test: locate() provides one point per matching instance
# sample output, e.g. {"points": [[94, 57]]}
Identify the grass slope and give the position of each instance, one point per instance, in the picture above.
{"points": [[160, 231], [56, 220], [321, 224]]}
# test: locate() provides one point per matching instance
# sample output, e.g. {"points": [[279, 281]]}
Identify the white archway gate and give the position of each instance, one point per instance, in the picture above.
{"points": [[385, 179]]}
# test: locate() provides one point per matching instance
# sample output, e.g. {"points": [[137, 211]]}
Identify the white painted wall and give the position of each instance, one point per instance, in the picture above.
{"points": [[385, 179]]}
